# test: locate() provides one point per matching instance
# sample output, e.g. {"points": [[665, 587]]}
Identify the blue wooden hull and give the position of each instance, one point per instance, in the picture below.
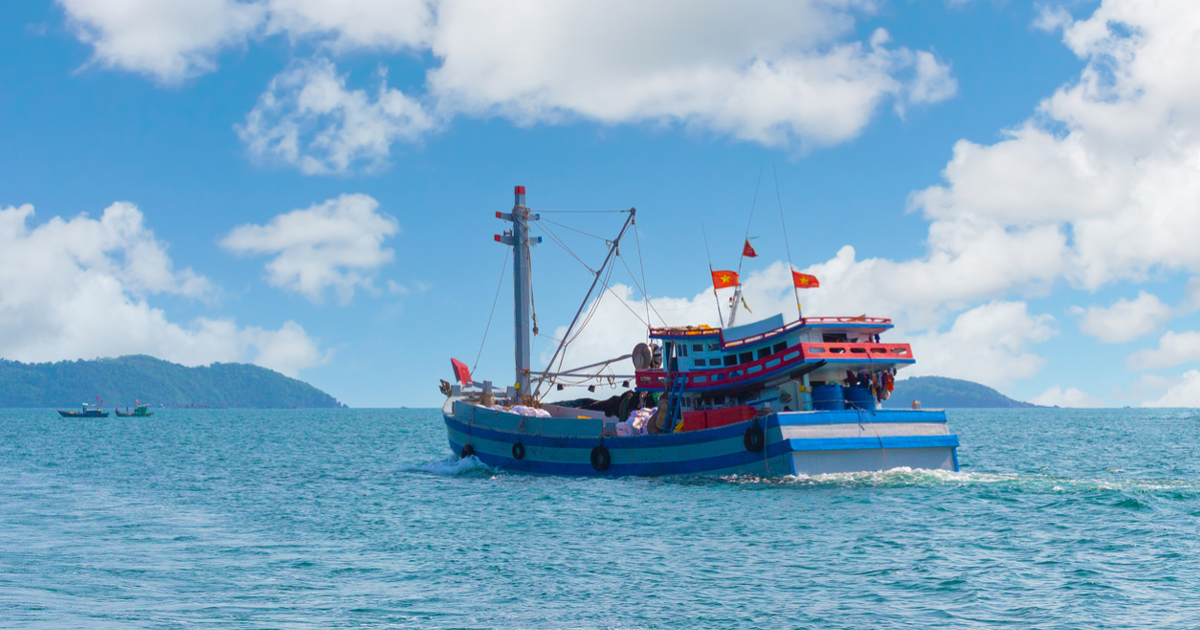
{"points": [[796, 443]]}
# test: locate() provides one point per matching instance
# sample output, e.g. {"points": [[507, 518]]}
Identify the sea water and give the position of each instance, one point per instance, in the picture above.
{"points": [[360, 518]]}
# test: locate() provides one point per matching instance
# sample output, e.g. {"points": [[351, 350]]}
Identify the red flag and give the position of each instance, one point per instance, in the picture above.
{"points": [[722, 279], [462, 373], [804, 281], [748, 251]]}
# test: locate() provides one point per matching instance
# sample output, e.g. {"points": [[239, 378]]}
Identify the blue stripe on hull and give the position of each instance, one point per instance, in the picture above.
{"points": [[742, 460], [641, 441], [571, 455]]}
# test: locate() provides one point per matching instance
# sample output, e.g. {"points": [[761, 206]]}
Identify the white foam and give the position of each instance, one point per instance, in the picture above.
{"points": [[449, 466]]}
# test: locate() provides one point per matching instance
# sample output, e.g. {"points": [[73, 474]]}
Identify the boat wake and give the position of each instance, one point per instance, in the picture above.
{"points": [[451, 466], [1031, 483]]}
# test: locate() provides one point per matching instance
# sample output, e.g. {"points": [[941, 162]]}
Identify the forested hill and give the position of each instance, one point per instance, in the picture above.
{"points": [[118, 382], [939, 392]]}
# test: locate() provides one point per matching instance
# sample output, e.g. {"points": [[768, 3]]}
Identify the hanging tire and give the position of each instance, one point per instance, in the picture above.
{"points": [[467, 451], [754, 439], [518, 451], [601, 458]]}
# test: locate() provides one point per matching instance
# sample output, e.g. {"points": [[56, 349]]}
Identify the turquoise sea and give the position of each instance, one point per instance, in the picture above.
{"points": [[359, 518]]}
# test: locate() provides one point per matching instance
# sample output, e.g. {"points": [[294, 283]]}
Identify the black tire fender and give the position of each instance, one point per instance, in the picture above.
{"points": [[601, 458], [754, 439], [518, 451], [467, 451]]}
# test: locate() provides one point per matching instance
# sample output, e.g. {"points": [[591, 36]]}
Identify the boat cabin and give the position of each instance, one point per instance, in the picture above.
{"points": [[714, 367]]}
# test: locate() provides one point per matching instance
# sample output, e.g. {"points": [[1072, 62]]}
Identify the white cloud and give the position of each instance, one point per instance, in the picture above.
{"points": [[987, 344], [1173, 349], [308, 119], [76, 289], [1056, 396], [777, 73], [169, 41], [332, 244], [352, 24], [1125, 320], [1111, 158], [785, 73], [1185, 392]]}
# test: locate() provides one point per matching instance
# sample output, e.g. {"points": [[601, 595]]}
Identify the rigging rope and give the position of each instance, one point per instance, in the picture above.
{"points": [[494, 300], [637, 239], [788, 248], [647, 297], [599, 238], [558, 241]]}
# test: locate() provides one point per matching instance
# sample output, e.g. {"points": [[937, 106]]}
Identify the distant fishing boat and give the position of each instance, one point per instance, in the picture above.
{"points": [[766, 398], [87, 411], [139, 411]]}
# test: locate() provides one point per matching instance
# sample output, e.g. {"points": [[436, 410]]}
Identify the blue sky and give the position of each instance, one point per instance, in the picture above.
{"points": [[311, 186]]}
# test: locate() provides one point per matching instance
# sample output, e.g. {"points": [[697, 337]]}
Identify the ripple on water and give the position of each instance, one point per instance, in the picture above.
{"points": [[362, 518]]}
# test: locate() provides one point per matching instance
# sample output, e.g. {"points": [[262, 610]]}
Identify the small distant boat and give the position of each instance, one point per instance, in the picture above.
{"points": [[87, 411], [140, 411]]}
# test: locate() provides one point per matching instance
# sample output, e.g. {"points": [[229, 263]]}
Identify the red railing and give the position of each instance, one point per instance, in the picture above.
{"points": [[745, 372], [871, 351], [863, 319]]}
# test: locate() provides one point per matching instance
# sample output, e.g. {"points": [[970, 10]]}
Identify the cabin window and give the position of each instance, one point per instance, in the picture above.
{"points": [[697, 347], [764, 353], [700, 362], [745, 357], [683, 349], [730, 360], [779, 347], [834, 338], [714, 347]]}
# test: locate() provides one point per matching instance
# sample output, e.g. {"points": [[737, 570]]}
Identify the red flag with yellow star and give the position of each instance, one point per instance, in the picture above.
{"points": [[804, 281], [722, 279]]}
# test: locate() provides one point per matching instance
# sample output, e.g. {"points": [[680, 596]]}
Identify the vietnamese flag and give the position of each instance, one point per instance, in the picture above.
{"points": [[722, 279], [804, 281], [748, 251]]}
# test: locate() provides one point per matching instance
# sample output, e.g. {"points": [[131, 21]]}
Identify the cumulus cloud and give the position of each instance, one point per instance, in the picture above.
{"points": [[776, 72], [307, 118], [72, 289], [1125, 320], [1184, 392], [332, 244], [1173, 349], [1056, 396], [1111, 158], [989, 343], [169, 41]]}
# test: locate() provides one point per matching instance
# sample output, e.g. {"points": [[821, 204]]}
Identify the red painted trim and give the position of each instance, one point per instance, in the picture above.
{"points": [[805, 352]]}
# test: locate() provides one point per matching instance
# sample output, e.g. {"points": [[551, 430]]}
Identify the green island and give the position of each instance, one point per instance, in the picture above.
{"points": [[940, 392], [118, 382]]}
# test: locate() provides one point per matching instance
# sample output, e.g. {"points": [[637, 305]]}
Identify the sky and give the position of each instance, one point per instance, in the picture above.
{"points": [[312, 186]]}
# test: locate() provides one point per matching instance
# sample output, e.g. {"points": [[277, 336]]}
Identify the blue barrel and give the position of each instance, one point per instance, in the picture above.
{"points": [[828, 397], [859, 397]]}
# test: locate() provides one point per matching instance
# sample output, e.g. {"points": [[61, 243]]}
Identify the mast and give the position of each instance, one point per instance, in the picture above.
{"points": [[520, 241], [737, 297]]}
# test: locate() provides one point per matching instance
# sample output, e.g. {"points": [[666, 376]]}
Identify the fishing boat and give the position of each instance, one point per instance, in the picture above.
{"points": [[768, 398], [86, 411], [139, 411]]}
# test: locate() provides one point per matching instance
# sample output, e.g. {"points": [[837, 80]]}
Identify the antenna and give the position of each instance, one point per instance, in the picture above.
{"points": [[710, 272], [795, 291], [737, 293]]}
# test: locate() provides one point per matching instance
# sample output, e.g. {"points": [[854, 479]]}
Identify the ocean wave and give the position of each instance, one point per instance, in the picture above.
{"points": [[451, 466]]}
